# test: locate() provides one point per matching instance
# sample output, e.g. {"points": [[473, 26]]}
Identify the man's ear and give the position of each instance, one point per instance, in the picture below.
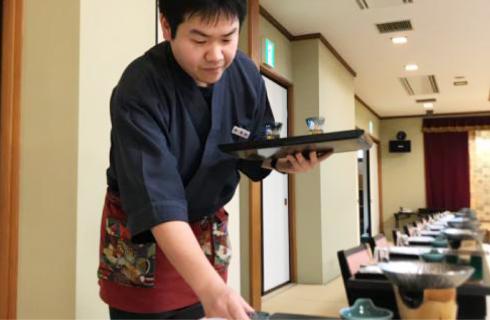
{"points": [[167, 33]]}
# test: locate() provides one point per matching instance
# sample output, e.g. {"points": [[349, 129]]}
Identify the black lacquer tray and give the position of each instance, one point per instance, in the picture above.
{"points": [[339, 141]]}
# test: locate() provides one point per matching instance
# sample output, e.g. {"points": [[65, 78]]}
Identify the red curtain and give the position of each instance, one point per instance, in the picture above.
{"points": [[447, 170], [456, 124]]}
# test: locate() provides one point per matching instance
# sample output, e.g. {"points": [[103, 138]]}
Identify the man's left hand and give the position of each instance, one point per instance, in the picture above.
{"points": [[298, 163]]}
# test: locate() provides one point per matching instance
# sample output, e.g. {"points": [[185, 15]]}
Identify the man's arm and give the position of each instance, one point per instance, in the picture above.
{"points": [[180, 246]]}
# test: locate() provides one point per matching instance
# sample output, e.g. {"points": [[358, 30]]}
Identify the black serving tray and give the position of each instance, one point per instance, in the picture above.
{"points": [[339, 141]]}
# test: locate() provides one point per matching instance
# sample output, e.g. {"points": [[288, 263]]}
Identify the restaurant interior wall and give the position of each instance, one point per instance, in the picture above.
{"points": [[48, 160], [339, 195], [308, 187], [299, 62], [324, 88], [403, 174], [364, 117], [283, 48], [107, 46], [284, 69]]}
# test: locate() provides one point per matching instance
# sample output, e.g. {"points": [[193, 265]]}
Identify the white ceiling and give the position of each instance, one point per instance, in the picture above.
{"points": [[449, 38]]}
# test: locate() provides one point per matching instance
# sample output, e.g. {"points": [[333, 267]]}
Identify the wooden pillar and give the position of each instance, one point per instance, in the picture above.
{"points": [[254, 31], [9, 153], [255, 194]]}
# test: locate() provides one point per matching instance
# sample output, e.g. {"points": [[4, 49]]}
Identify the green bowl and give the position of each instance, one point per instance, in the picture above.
{"points": [[439, 243], [364, 309], [433, 256]]}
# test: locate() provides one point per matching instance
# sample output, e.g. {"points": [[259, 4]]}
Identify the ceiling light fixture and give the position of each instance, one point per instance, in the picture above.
{"points": [[411, 67], [426, 100], [399, 40], [428, 105]]}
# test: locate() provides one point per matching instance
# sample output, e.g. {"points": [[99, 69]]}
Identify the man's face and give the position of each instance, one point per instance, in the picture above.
{"points": [[204, 49]]}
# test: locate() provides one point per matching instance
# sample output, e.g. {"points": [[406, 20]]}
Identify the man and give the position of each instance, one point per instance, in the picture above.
{"points": [[164, 250]]}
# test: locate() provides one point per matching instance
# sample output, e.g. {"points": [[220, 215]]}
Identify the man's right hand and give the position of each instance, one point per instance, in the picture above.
{"points": [[225, 303], [179, 244]]}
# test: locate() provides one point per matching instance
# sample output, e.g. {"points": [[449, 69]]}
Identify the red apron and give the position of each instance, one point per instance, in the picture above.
{"points": [[138, 277]]}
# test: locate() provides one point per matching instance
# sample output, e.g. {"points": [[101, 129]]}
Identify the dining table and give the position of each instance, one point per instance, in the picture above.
{"points": [[370, 281], [430, 233], [421, 240]]}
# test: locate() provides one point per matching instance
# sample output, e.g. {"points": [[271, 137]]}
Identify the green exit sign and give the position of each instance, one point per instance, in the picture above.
{"points": [[269, 53]]}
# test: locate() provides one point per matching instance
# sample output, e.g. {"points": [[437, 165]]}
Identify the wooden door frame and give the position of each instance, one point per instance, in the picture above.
{"points": [[10, 155], [285, 83], [380, 180], [255, 188], [380, 184], [255, 191]]}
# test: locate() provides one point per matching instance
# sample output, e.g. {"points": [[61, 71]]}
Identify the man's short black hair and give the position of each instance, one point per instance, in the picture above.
{"points": [[177, 11]]}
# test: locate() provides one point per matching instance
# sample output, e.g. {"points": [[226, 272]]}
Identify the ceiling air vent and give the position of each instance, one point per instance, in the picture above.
{"points": [[420, 85], [395, 26], [374, 4]]}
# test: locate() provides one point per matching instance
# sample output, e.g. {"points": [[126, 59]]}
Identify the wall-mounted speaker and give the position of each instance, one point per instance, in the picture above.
{"points": [[400, 144]]}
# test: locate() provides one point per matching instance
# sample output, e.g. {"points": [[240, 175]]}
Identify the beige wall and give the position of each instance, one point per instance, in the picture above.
{"points": [[48, 164], [308, 186], [340, 210], [403, 176], [326, 198], [364, 116], [403, 173], [68, 73], [107, 46], [284, 65], [283, 46]]}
